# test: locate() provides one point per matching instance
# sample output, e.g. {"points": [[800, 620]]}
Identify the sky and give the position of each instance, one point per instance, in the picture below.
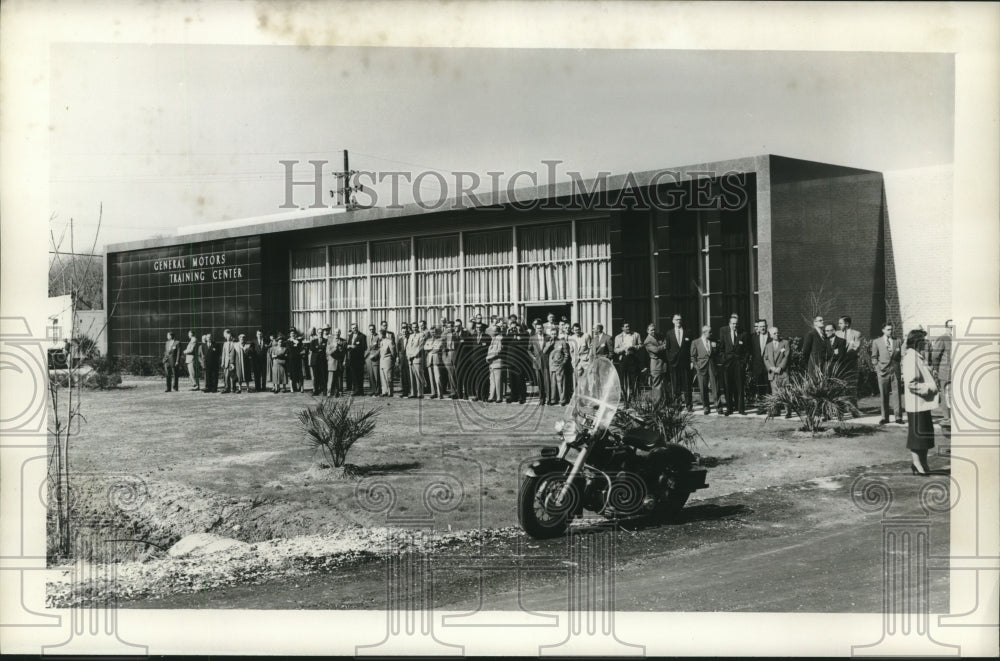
{"points": [[164, 136]]}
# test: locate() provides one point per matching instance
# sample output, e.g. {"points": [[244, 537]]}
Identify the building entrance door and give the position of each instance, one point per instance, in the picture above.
{"points": [[542, 310]]}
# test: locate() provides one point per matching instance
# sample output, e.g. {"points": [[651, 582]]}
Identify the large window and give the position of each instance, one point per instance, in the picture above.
{"points": [[488, 259], [463, 274], [308, 288], [390, 282], [438, 290], [545, 262], [593, 244], [348, 280]]}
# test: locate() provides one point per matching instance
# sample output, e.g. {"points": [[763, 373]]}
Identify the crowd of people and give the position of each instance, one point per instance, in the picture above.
{"points": [[496, 361]]}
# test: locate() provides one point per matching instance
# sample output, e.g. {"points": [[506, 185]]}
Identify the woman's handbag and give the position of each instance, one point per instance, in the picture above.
{"points": [[928, 393]]}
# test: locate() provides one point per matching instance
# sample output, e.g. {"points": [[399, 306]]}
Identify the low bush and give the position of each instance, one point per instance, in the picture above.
{"points": [[815, 396], [664, 413], [334, 425]]}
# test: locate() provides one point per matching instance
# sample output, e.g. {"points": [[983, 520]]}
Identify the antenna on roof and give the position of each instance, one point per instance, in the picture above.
{"points": [[346, 193]]}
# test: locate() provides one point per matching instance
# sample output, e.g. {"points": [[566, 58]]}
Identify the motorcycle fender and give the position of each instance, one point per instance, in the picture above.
{"points": [[693, 479], [546, 465]]}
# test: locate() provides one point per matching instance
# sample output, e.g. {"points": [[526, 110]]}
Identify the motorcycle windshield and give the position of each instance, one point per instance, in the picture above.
{"points": [[596, 397]]}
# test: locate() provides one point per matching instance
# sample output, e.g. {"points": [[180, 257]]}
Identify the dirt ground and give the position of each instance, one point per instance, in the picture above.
{"points": [[237, 465], [152, 467]]}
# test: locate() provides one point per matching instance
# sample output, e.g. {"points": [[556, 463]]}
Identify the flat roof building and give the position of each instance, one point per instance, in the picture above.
{"points": [[765, 236]]}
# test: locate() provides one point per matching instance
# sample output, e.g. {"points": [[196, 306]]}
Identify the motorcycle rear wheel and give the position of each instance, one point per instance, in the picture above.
{"points": [[539, 517]]}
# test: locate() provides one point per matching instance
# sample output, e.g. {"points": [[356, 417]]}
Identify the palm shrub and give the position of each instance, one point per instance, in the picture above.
{"points": [[664, 413], [815, 396], [334, 425]]}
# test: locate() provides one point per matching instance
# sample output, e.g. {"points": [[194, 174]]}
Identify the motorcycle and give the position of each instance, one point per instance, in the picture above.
{"points": [[603, 466]]}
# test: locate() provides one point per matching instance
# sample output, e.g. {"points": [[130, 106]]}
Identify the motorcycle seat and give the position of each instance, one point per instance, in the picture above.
{"points": [[642, 438]]}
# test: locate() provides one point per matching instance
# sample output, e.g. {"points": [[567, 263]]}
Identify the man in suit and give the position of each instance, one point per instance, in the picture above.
{"points": [[558, 358], [849, 363], [703, 359], [814, 346], [494, 360], [449, 351], [776, 355], [415, 363], [357, 347], [172, 361], [734, 350], [372, 359], [679, 361], [317, 360], [656, 347], [539, 346], [601, 343], [209, 358], [387, 360], [579, 345], [191, 360], [401, 361], [260, 349], [941, 366], [335, 353], [762, 380], [516, 362], [886, 355], [228, 363], [836, 349], [627, 344]]}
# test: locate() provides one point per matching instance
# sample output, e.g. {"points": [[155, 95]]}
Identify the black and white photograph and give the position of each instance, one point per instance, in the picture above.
{"points": [[563, 328]]}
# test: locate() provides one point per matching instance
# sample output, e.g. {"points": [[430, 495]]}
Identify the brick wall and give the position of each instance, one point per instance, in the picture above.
{"points": [[827, 245]]}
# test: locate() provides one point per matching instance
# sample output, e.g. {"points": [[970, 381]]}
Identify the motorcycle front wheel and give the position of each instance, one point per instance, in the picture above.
{"points": [[540, 516]]}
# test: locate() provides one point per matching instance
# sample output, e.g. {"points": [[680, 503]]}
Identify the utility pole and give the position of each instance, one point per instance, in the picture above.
{"points": [[345, 191]]}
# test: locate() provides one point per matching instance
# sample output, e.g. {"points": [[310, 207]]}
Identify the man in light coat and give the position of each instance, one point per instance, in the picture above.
{"points": [[886, 354], [579, 345], [776, 355], [228, 365], [656, 347], [336, 358], [849, 363], [191, 360], [627, 345], [415, 363], [703, 359], [762, 379], [494, 359], [387, 360]]}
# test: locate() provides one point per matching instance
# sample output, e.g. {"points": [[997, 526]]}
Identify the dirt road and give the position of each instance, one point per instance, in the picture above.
{"points": [[801, 547]]}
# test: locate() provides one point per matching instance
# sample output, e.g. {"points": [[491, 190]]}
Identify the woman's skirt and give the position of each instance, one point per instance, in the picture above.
{"points": [[920, 430], [278, 375]]}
